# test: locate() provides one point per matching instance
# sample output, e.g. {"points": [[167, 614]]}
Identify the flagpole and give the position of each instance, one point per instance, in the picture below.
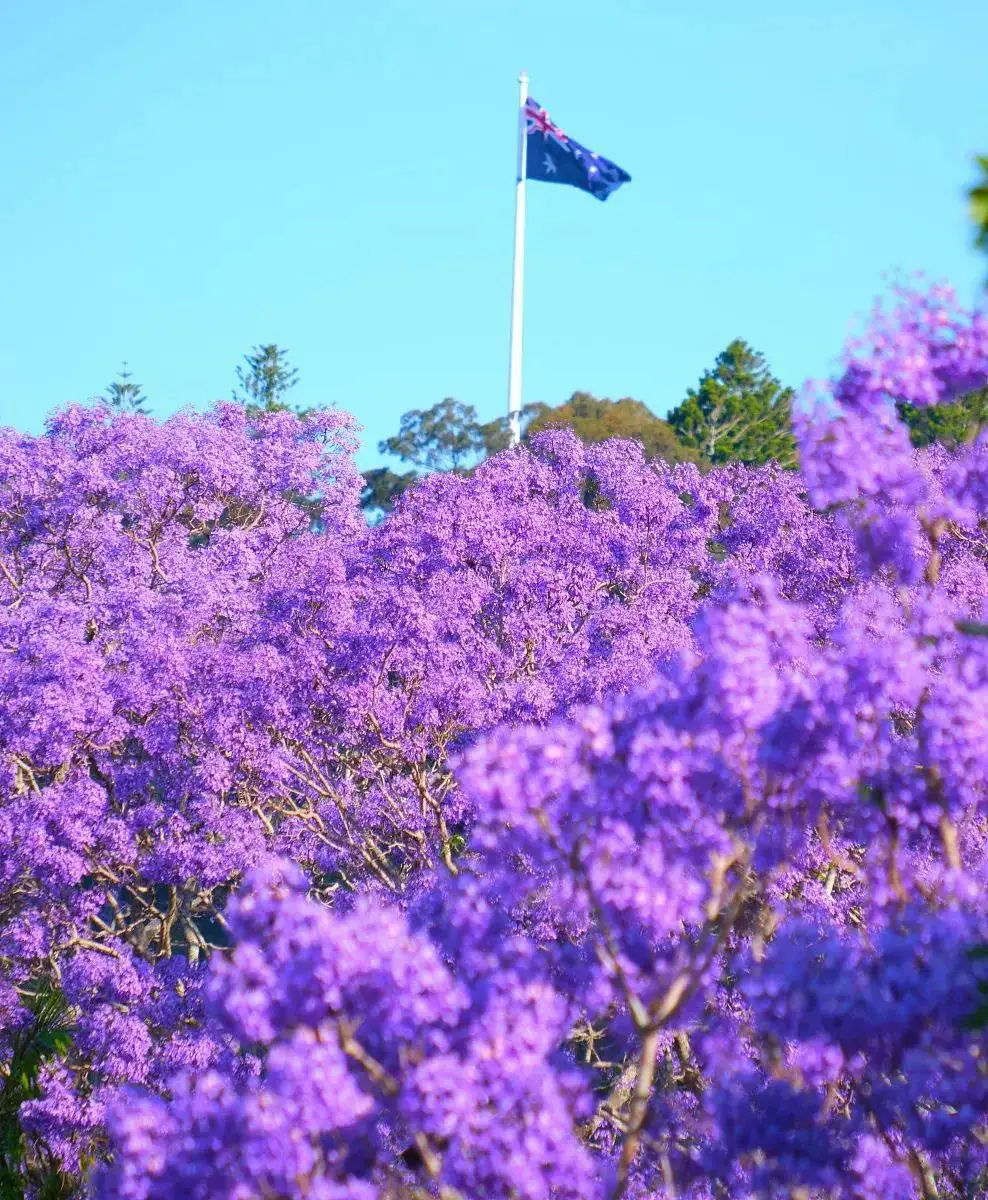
{"points": [[518, 279]]}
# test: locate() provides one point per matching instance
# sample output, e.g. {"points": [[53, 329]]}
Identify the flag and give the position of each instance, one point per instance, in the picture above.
{"points": [[554, 157]]}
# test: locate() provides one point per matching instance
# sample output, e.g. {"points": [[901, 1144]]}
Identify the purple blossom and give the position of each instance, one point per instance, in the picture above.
{"points": [[587, 829]]}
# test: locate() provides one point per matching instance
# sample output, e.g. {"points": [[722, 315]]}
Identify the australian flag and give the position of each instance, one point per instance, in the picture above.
{"points": [[554, 157]]}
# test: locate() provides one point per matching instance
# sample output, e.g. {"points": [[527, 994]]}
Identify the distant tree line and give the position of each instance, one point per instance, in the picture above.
{"points": [[738, 412], [262, 383]]}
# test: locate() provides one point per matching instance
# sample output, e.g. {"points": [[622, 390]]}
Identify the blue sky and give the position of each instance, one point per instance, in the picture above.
{"points": [[183, 180]]}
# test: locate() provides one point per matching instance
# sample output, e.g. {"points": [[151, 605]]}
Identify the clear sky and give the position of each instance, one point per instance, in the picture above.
{"points": [[182, 180]]}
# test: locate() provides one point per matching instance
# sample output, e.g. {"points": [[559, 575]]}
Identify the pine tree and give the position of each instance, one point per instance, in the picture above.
{"points": [[739, 412], [265, 380], [124, 396]]}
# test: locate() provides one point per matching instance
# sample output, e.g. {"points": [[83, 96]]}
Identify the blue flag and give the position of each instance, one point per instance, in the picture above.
{"points": [[554, 157]]}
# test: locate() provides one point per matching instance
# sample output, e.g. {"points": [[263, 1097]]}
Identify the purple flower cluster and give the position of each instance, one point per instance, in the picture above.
{"points": [[587, 829], [361, 1063]]}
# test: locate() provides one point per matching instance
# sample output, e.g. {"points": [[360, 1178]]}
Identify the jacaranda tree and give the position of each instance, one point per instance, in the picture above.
{"points": [[588, 828]]}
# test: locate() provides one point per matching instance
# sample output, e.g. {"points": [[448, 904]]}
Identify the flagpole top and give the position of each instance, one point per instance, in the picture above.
{"points": [[523, 77]]}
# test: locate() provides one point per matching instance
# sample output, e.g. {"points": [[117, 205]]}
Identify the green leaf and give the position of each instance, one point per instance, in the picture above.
{"points": [[978, 1019], [979, 205], [48, 1036], [974, 628]]}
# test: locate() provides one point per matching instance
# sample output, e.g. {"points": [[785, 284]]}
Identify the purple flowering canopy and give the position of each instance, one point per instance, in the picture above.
{"points": [[589, 829]]}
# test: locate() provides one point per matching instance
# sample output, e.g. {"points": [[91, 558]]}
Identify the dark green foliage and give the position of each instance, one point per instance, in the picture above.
{"points": [[979, 1018], [382, 487], [47, 1037], [950, 424], [446, 437], [265, 381], [978, 197], [124, 396], [450, 437], [739, 412], [955, 424], [594, 420]]}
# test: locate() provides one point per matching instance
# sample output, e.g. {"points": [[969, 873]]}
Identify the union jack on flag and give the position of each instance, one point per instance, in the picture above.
{"points": [[554, 157]]}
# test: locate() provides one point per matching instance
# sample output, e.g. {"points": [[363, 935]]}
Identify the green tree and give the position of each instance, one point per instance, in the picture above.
{"points": [[978, 197], [962, 420], [446, 437], [595, 420], [265, 380], [124, 396], [43, 1039], [951, 424], [739, 412], [449, 436], [382, 487]]}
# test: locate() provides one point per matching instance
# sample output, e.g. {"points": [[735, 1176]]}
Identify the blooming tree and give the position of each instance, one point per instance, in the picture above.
{"points": [[586, 829]]}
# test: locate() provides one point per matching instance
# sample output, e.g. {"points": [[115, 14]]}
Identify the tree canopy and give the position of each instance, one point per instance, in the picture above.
{"points": [[446, 437], [265, 379], [124, 396], [978, 197], [951, 425], [382, 487], [596, 850], [739, 412], [596, 420], [449, 436]]}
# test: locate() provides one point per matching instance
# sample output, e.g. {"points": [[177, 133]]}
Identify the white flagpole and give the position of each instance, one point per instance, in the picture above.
{"points": [[518, 280]]}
